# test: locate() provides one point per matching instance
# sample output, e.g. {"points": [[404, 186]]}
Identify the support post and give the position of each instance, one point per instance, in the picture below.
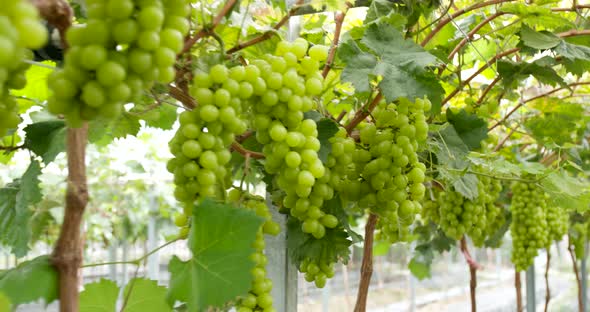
{"points": [[112, 258], [530, 289], [280, 268]]}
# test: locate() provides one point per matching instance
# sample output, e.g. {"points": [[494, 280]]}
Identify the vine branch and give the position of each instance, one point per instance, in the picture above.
{"points": [[367, 265], [268, 34], [339, 20], [570, 249], [363, 113], [242, 150], [547, 289], [518, 288], [207, 30]]}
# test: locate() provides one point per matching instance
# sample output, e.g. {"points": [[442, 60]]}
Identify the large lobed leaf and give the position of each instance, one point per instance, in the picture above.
{"points": [[140, 295], [220, 240], [46, 138], [401, 64], [15, 200], [30, 281]]}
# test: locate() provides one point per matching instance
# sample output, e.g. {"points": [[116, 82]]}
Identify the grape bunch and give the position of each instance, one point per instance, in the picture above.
{"points": [[280, 89], [20, 30], [557, 223], [124, 47], [317, 272], [259, 297], [201, 144], [458, 215], [383, 172], [529, 223], [578, 235]]}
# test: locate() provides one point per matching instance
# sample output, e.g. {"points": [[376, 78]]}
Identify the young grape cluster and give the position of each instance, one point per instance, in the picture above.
{"points": [[557, 223], [201, 144], [317, 272], [280, 89], [383, 172], [529, 223], [124, 47], [259, 297], [578, 236], [20, 30], [458, 215]]}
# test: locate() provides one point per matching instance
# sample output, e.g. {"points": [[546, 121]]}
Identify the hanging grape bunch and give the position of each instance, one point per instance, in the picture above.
{"points": [[20, 30], [123, 48]]}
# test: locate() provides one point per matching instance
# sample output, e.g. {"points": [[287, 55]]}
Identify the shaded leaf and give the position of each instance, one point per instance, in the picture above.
{"points": [[470, 128], [220, 240], [38, 277], [99, 296], [327, 128], [541, 40], [46, 139]]}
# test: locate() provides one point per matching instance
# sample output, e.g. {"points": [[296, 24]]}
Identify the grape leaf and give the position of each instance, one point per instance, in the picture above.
{"points": [[99, 296], [421, 261], [566, 191], [381, 248], [400, 62], [46, 139], [126, 124], [513, 72], [333, 247], [327, 128], [540, 40], [35, 90], [335, 207], [145, 295], [220, 240], [572, 51], [5, 304], [30, 281], [15, 200], [495, 240], [470, 128]]}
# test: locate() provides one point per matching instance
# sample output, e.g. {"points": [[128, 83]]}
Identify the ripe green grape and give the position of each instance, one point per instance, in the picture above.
{"points": [[258, 298], [123, 48], [20, 30], [528, 229]]}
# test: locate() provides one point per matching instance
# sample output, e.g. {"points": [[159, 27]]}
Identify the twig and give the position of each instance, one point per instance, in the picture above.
{"points": [[339, 20], [242, 150], [570, 248], [137, 261], [453, 16], [473, 32], [340, 116], [182, 97], [518, 288], [547, 289], [488, 89], [244, 136], [362, 113], [574, 32], [489, 63], [473, 267], [268, 34], [188, 44], [367, 265], [522, 103], [130, 289], [505, 139], [10, 149]]}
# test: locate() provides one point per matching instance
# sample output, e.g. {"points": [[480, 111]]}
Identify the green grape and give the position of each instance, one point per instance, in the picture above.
{"points": [[457, 216], [529, 228], [123, 48], [20, 30], [258, 298]]}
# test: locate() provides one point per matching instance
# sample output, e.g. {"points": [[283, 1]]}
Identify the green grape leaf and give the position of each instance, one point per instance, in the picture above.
{"points": [[99, 296], [465, 185], [313, 115], [513, 72], [46, 139], [15, 215], [30, 281], [401, 64], [540, 40], [126, 124], [381, 248], [470, 128], [566, 191], [5, 304], [145, 295], [421, 261], [163, 117], [448, 147], [335, 207], [495, 240], [35, 91], [220, 240], [327, 128], [572, 51], [333, 247]]}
